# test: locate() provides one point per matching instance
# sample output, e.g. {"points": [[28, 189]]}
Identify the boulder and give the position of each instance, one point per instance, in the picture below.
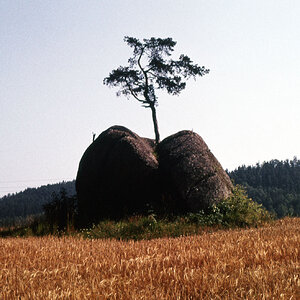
{"points": [[121, 174], [191, 176], [117, 176]]}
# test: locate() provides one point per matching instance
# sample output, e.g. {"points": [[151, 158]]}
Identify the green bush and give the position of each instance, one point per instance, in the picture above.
{"points": [[240, 211], [236, 211]]}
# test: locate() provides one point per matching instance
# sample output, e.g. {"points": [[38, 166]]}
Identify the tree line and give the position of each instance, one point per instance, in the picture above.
{"points": [[18, 206], [274, 184]]}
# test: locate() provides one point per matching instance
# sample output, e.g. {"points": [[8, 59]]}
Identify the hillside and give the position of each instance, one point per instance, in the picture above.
{"points": [[274, 184], [30, 201]]}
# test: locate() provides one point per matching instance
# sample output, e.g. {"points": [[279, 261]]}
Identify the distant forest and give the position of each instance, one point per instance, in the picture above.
{"points": [[274, 184], [30, 202]]}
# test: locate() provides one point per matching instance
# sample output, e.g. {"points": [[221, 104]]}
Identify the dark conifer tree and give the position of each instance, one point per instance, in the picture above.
{"points": [[150, 69]]}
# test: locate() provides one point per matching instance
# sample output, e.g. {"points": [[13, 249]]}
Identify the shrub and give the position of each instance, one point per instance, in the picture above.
{"points": [[238, 210], [61, 212]]}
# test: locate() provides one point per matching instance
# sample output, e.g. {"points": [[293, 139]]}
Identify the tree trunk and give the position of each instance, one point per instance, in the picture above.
{"points": [[157, 138]]}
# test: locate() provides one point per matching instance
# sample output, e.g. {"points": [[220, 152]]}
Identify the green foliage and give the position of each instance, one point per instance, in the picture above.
{"points": [[240, 210], [141, 227], [16, 208], [31, 226], [274, 184], [60, 213], [150, 69], [236, 211]]}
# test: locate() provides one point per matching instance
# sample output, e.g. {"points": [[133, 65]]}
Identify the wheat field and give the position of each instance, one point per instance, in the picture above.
{"points": [[258, 263]]}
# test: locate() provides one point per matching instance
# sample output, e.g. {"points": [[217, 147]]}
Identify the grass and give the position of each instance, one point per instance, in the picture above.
{"points": [[251, 263], [145, 228], [236, 211]]}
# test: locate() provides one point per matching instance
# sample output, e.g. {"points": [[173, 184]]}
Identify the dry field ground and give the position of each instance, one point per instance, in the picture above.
{"points": [[234, 264]]}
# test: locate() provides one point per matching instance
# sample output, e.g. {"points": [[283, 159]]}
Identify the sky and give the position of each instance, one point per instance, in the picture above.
{"points": [[55, 54]]}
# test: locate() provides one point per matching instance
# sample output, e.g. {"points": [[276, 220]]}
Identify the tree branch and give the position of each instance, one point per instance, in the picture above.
{"points": [[151, 73], [139, 60], [134, 94]]}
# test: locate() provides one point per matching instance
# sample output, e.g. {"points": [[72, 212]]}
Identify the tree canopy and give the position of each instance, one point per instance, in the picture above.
{"points": [[274, 184], [150, 68]]}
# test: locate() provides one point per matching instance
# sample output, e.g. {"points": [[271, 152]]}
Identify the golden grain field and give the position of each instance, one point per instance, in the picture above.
{"points": [[234, 264]]}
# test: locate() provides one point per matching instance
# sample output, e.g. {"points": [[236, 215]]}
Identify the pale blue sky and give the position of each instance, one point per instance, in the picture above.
{"points": [[55, 54]]}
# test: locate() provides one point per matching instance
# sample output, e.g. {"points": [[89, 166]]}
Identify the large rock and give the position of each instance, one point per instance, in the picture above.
{"points": [[121, 174], [116, 176], [191, 176]]}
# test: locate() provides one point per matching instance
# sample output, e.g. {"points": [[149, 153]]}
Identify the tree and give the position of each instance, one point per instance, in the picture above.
{"points": [[274, 184], [61, 211], [149, 70]]}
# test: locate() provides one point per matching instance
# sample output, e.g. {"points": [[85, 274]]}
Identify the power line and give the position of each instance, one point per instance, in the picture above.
{"points": [[32, 183], [35, 180], [10, 192], [13, 187]]}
